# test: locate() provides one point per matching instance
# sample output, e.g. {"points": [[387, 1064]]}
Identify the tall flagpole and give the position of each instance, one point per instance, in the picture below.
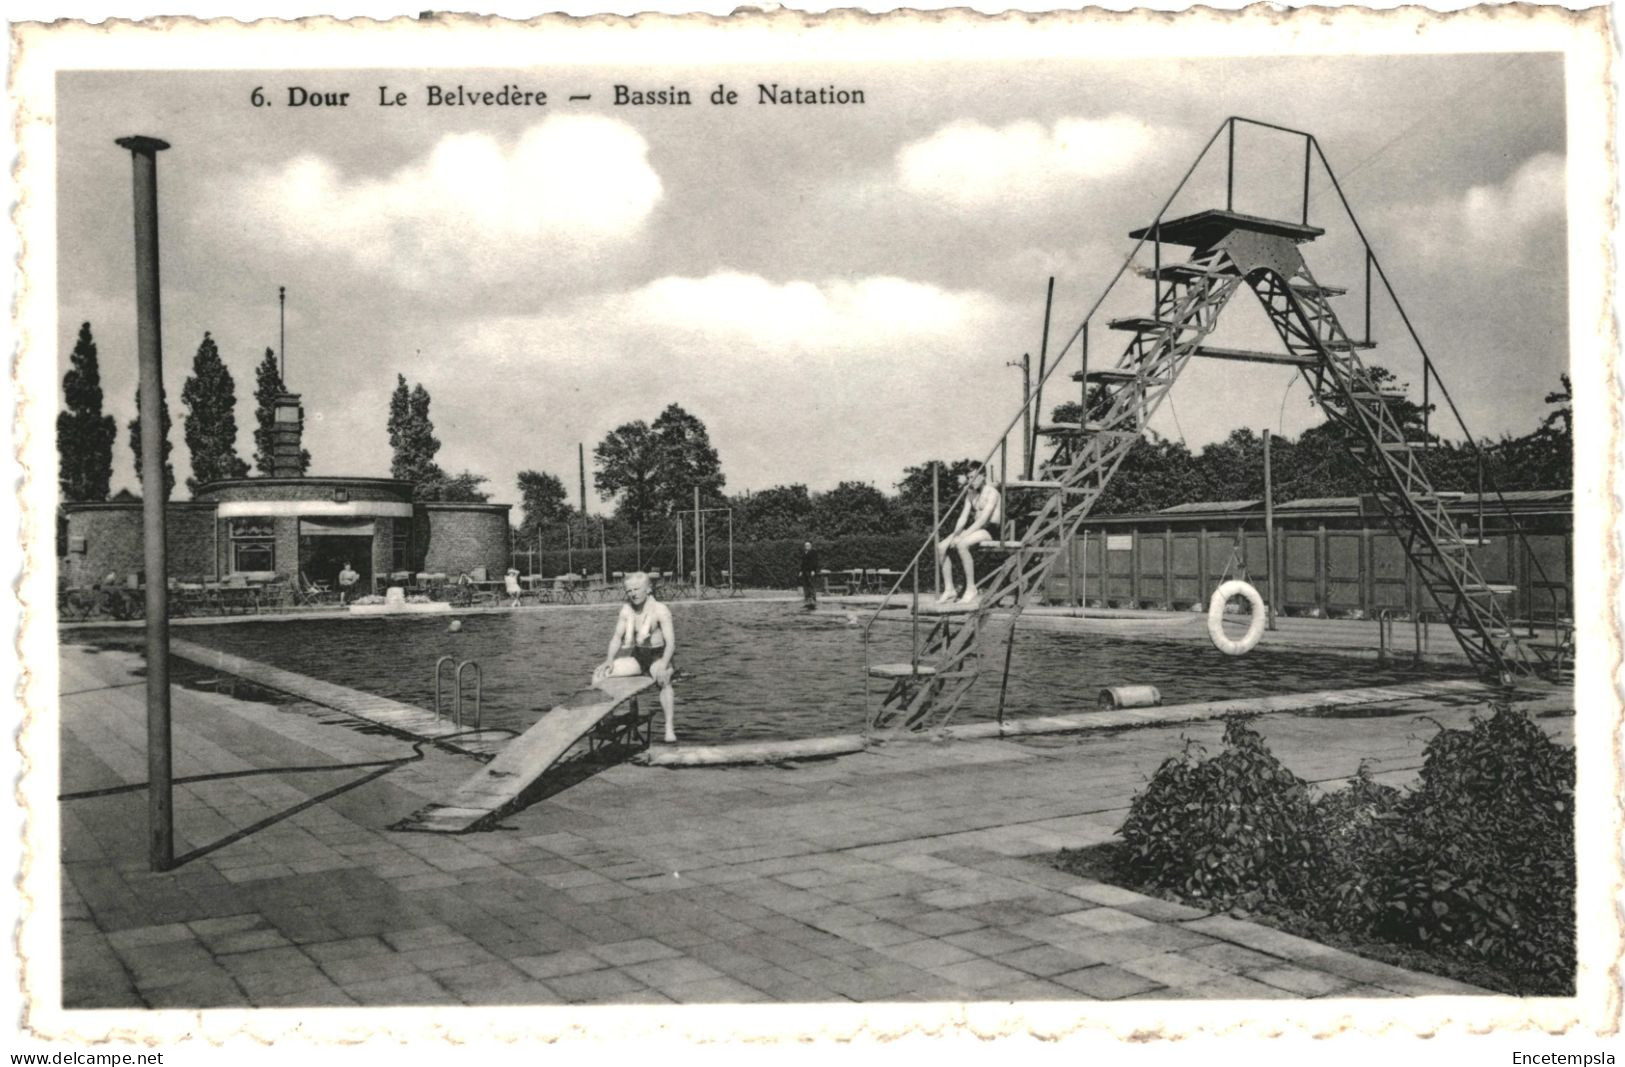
{"points": [[150, 350], [282, 332]]}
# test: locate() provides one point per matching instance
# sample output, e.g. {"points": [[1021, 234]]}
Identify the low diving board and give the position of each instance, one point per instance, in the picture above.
{"points": [[525, 759]]}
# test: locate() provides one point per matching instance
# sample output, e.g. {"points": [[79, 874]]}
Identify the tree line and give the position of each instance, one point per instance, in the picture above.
{"points": [[648, 472], [85, 435]]}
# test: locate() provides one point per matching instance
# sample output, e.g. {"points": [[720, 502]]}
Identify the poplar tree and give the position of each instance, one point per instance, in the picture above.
{"points": [[84, 435], [135, 441], [210, 397]]}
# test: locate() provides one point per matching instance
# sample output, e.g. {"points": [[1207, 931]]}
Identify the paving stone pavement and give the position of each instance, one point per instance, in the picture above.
{"points": [[913, 871]]}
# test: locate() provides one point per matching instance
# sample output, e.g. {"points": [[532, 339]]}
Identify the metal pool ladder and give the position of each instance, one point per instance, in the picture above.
{"points": [[457, 669]]}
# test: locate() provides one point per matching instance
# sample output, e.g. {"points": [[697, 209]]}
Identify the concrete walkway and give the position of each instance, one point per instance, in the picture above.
{"points": [[910, 872]]}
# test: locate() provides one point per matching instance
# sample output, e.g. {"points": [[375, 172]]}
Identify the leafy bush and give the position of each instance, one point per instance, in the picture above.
{"points": [[1480, 861], [1476, 862], [1232, 830]]}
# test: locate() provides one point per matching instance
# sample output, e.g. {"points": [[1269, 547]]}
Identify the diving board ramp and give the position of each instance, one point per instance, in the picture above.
{"points": [[528, 757]]}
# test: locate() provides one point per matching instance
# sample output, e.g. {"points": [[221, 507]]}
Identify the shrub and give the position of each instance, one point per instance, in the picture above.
{"points": [[1475, 862], [1236, 829], [1480, 861]]}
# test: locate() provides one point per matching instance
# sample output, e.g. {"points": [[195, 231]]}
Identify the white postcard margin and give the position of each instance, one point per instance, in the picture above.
{"points": [[1584, 38]]}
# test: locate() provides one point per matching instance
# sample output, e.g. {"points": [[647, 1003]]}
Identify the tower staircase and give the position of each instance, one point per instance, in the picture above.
{"points": [[1229, 252]]}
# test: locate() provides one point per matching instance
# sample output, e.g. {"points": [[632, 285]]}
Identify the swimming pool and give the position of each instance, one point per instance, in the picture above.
{"points": [[753, 670]]}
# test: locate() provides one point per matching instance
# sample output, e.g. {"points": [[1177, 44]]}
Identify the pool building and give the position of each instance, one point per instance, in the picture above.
{"points": [[286, 525]]}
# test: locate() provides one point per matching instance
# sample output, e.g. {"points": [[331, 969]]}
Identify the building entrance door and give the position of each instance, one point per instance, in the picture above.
{"points": [[325, 546]]}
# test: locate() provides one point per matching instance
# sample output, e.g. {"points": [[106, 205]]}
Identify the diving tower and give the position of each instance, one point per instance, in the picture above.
{"points": [[1228, 252]]}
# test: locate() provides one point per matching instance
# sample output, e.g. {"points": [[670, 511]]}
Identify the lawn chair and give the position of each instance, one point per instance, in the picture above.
{"points": [[309, 594]]}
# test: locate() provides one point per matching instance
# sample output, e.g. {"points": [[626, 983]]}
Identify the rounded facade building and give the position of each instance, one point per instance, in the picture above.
{"points": [[292, 526]]}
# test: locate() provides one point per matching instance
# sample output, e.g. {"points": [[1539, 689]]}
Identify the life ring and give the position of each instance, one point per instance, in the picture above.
{"points": [[1215, 618]]}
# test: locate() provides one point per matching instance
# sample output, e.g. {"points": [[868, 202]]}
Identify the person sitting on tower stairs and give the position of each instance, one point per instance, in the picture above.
{"points": [[979, 520]]}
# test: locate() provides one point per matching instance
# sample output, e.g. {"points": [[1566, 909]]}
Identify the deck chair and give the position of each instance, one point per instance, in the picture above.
{"points": [[308, 594]]}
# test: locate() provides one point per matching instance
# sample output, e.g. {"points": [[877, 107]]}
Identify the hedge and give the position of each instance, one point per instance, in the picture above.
{"points": [[757, 565]]}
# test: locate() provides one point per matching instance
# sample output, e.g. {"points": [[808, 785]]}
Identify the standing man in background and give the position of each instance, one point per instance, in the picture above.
{"points": [[809, 576]]}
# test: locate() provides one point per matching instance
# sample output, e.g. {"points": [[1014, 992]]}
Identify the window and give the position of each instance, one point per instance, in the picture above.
{"points": [[253, 545]]}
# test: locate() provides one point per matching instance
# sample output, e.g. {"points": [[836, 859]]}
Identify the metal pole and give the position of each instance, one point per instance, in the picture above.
{"points": [[1083, 573], [730, 551], [680, 571], [1427, 406], [1085, 375], [1368, 296], [1308, 146], [1156, 268], [282, 331], [581, 467], [1230, 170], [1480, 453], [637, 538], [1004, 479], [1026, 366], [1031, 445], [699, 561], [569, 549], [603, 551], [1072, 571], [914, 627], [150, 346], [936, 526], [1269, 534]]}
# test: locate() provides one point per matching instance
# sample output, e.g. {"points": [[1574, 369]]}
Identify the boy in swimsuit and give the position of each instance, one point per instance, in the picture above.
{"points": [[643, 643], [979, 520]]}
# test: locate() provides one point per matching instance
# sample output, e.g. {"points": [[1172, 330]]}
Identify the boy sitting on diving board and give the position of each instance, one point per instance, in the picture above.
{"points": [[979, 520], [643, 643]]}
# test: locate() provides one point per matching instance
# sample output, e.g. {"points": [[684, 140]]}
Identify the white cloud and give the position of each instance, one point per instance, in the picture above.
{"points": [[571, 188], [736, 308], [798, 380], [970, 165], [1499, 221]]}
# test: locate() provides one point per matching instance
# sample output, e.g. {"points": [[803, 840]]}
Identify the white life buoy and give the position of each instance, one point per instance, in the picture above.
{"points": [[1215, 618]]}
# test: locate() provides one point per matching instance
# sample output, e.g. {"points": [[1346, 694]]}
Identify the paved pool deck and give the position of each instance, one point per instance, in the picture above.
{"points": [[913, 871]]}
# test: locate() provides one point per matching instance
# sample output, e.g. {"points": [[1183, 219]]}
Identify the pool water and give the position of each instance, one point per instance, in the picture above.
{"points": [[753, 670]]}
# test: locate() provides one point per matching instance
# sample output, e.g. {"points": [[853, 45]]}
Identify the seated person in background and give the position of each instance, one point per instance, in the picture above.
{"points": [[643, 643], [347, 579], [979, 520]]}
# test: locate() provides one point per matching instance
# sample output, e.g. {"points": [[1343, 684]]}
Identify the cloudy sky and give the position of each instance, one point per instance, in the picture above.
{"points": [[834, 291]]}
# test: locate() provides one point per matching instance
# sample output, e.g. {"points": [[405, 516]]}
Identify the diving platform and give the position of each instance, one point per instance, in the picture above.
{"points": [[1075, 429], [524, 760], [1250, 355], [1206, 228], [1106, 374]]}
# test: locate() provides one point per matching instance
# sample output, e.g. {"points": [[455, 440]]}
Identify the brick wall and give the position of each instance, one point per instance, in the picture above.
{"points": [[111, 535], [460, 537]]}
